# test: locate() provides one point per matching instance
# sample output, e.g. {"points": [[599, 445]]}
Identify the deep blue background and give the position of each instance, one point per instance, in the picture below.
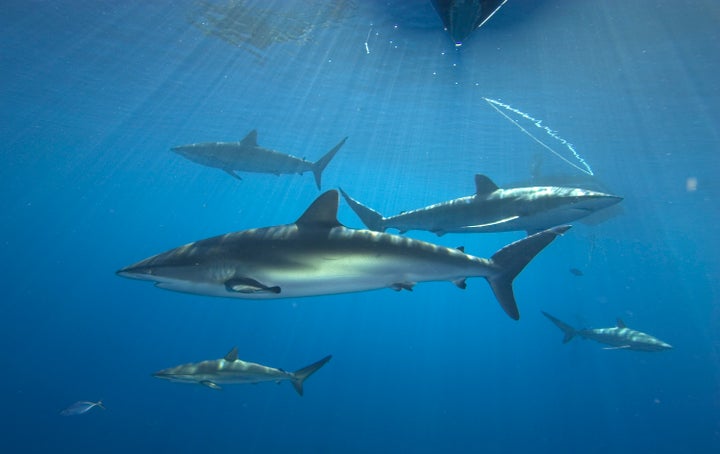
{"points": [[94, 93]]}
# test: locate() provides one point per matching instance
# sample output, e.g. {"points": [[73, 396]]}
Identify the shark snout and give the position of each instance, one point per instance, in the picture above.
{"points": [[182, 150], [135, 272], [665, 346], [164, 374], [595, 201]]}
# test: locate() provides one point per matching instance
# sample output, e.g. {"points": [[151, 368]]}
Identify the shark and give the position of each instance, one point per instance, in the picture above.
{"points": [[317, 255], [248, 156], [618, 337], [492, 209], [231, 370]]}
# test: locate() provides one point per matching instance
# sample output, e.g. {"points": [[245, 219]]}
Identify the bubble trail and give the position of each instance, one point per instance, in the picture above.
{"points": [[538, 123]]}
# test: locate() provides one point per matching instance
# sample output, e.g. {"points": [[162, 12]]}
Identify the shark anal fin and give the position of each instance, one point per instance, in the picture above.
{"points": [[460, 283], [248, 285], [211, 385], [403, 286], [621, 323]]}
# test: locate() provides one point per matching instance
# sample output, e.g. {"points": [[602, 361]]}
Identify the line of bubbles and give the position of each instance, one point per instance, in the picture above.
{"points": [[497, 104]]}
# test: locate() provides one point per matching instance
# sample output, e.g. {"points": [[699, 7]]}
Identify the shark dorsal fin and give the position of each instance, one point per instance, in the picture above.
{"points": [[232, 355], [620, 323], [322, 212], [484, 185], [250, 140]]}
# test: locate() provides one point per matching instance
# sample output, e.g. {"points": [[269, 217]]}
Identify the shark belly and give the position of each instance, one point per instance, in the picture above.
{"points": [[349, 262], [262, 160], [332, 274]]}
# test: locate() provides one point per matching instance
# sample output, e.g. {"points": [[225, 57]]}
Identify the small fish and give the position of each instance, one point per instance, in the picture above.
{"points": [[81, 407], [576, 272]]}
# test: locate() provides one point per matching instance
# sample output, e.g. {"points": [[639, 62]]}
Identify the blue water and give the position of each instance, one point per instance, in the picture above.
{"points": [[93, 94]]}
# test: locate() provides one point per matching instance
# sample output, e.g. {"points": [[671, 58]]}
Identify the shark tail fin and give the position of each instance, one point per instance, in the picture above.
{"points": [[371, 218], [511, 260], [300, 375], [320, 164], [569, 331]]}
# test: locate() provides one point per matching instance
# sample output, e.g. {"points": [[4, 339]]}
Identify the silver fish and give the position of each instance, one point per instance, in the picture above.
{"points": [[81, 407]]}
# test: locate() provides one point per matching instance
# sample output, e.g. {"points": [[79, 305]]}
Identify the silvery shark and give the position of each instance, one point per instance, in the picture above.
{"points": [[492, 209], [618, 337], [231, 370], [317, 255], [248, 156]]}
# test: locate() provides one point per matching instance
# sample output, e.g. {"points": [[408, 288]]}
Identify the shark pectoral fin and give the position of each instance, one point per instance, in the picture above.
{"points": [[232, 173], [248, 286], [403, 286], [460, 283], [621, 347], [210, 385]]}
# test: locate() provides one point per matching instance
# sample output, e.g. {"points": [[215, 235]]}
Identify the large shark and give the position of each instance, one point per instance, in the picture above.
{"points": [[492, 209], [618, 337], [231, 370], [317, 255], [248, 156]]}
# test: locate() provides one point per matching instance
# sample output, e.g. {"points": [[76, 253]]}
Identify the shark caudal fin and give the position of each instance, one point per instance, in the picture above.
{"points": [[319, 165], [300, 375], [512, 259], [371, 218], [569, 331]]}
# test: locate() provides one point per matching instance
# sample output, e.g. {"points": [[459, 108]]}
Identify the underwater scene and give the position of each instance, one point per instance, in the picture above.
{"points": [[360, 226]]}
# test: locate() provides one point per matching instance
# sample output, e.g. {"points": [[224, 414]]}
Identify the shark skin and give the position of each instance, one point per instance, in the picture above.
{"points": [[491, 209], [619, 337], [231, 370], [248, 156], [317, 255]]}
